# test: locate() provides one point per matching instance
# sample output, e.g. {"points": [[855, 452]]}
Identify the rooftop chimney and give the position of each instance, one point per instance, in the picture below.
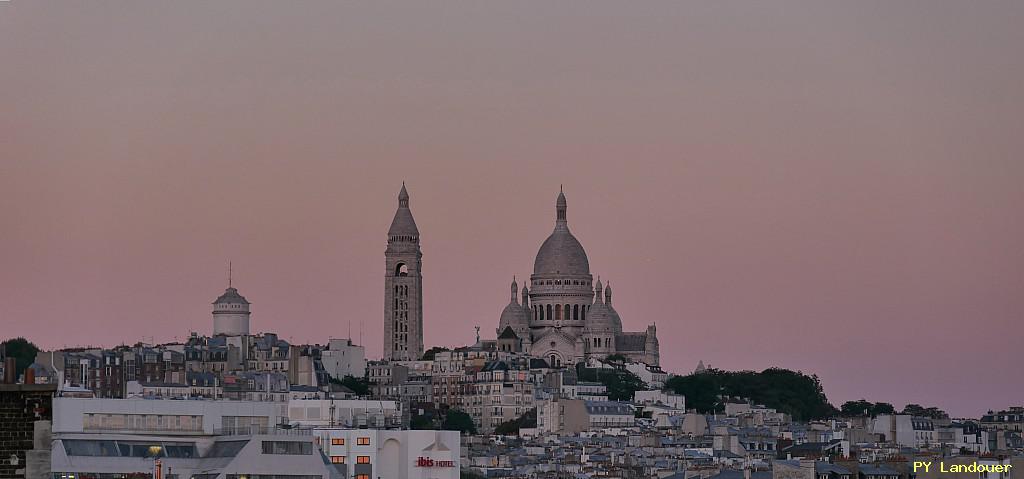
{"points": [[10, 366]]}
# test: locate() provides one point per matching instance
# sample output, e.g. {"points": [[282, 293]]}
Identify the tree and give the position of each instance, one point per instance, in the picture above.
{"points": [[863, 407], [615, 358], [422, 421], [882, 408], [621, 384], [359, 386], [23, 352], [791, 392], [701, 390], [918, 410], [511, 428], [429, 354], [457, 420]]}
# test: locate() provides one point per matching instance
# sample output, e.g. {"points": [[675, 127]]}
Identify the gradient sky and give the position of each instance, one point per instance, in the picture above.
{"points": [[834, 187]]}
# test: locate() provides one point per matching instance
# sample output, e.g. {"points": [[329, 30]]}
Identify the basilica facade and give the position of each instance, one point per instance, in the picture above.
{"points": [[563, 316]]}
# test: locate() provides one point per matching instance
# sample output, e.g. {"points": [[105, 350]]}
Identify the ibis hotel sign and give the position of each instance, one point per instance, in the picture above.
{"points": [[428, 462]]}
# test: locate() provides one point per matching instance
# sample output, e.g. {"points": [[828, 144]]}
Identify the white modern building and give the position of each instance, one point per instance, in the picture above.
{"points": [[906, 430], [344, 358], [369, 453], [164, 416], [200, 439]]}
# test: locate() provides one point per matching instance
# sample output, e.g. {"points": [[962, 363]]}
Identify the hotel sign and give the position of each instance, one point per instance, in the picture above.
{"points": [[428, 462]]}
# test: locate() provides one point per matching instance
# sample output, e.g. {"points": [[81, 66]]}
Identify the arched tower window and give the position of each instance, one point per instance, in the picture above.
{"points": [[583, 313], [568, 312], [558, 312], [549, 312], [401, 269]]}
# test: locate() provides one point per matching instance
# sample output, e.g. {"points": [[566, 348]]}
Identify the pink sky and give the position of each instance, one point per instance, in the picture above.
{"points": [[834, 188]]}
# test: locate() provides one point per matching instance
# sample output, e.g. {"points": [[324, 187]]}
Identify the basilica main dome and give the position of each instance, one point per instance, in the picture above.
{"points": [[561, 253]]}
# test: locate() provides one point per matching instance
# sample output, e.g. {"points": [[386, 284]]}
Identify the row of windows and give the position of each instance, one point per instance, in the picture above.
{"points": [[288, 447], [341, 441], [142, 422], [105, 448], [558, 282], [403, 238], [401, 305], [341, 459], [558, 312]]}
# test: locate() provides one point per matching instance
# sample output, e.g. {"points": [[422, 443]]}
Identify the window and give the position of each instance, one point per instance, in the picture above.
{"points": [[288, 447], [362, 459], [337, 459], [338, 441], [362, 476], [363, 441], [226, 448]]}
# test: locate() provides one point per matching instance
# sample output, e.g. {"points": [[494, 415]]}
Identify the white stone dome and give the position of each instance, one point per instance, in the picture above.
{"points": [[602, 317], [515, 316], [561, 253]]}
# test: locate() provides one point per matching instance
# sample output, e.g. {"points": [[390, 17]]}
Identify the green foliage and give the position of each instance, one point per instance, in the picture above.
{"points": [[615, 358], [918, 410], [621, 384], [457, 420], [791, 392], [511, 428], [701, 390], [422, 421], [360, 386], [429, 354], [23, 352], [864, 407]]}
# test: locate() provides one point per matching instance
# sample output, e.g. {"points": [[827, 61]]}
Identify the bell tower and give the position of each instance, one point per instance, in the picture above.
{"points": [[403, 286]]}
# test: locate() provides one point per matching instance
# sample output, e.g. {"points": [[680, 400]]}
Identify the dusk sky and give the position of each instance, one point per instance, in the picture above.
{"points": [[833, 187]]}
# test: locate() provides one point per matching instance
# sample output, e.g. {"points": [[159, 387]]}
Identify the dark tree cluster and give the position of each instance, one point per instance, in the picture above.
{"points": [[511, 428], [22, 350], [621, 383], [429, 354], [863, 407], [456, 420], [359, 386], [791, 392], [918, 410]]}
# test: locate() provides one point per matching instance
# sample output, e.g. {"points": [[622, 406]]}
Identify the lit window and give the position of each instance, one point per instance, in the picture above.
{"points": [[338, 441], [362, 459], [337, 459], [363, 441], [362, 476]]}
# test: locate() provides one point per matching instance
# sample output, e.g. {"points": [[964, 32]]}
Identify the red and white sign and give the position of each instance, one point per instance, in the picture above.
{"points": [[428, 462]]}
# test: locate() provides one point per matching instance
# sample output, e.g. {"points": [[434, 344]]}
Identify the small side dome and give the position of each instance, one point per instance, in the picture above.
{"points": [[513, 316], [602, 317]]}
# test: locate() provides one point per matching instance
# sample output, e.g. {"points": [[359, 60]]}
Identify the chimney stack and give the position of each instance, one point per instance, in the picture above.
{"points": [[10, 374]]}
